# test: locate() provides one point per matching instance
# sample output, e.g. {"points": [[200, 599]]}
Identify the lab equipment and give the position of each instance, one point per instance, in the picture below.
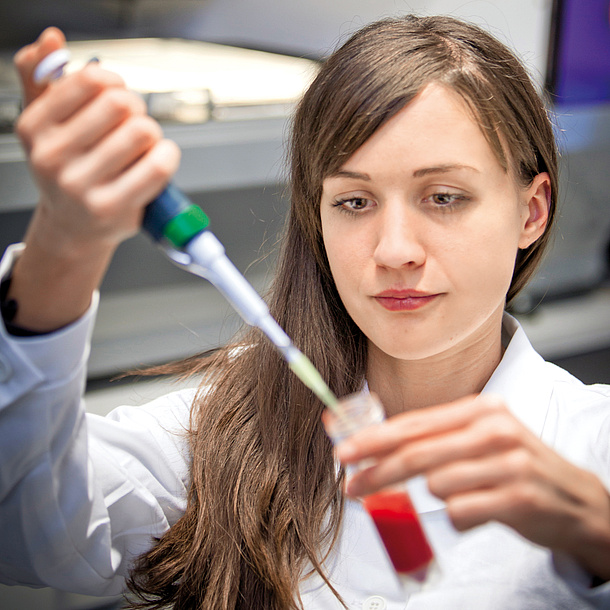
{"points": [[180, 228]]}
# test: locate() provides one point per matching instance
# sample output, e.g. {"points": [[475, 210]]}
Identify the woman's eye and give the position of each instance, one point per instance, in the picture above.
{"points": [[445, 199], [353, 204]]}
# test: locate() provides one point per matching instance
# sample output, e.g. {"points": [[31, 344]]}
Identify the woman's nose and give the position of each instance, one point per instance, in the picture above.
{"points": [[399, 240]]}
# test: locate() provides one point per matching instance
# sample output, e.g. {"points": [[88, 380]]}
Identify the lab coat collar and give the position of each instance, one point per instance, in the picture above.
{"points": [[521, 378]]}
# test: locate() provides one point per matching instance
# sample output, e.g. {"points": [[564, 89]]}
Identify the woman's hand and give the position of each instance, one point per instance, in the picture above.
{"points": [[95, 154], [97, 159], [487, 466]]}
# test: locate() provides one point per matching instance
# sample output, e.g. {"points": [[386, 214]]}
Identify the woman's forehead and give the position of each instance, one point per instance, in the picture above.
{"points": [[434, 133]]}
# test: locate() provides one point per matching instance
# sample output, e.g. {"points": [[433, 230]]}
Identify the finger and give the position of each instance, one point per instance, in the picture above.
{"points": [[401, 429], [56, 147], [493, 471], [491, 433], [541, 515], [111, 212], [528, 508], [30, 56], [113, 155], [104, 113], [63, 99], [140, 184]]}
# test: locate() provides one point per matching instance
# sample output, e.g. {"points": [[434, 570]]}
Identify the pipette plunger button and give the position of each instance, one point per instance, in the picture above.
{"points": [[52, 66]]}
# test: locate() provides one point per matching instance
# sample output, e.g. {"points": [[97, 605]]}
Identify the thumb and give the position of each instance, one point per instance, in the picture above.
{"points": [[30, 56]]}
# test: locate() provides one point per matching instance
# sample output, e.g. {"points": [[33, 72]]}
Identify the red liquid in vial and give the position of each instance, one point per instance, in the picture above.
{"points": [[400, 530]]}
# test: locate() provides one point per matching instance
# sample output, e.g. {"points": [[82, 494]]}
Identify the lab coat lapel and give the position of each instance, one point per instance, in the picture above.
{"points": [[522, 379]]}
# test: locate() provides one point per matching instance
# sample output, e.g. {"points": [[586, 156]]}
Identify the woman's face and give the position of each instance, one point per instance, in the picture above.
{"points": [[422, 226]]}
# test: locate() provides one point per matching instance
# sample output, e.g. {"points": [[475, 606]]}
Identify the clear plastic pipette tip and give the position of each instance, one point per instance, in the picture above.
{"points": [[300, 365]]}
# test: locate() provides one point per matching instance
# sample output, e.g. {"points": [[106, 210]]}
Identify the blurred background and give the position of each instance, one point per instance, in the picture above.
{"points": [[222, 77]]}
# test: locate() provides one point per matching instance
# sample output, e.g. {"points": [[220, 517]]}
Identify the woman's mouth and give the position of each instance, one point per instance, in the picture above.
{"points": [[404, 300]]}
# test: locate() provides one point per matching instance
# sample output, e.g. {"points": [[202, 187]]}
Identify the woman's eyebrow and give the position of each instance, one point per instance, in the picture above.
{"points": [[442, 169], [345, 173], [418, 173]]}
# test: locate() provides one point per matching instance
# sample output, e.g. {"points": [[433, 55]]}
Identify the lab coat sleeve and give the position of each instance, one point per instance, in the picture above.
{"points": [[80, 495], [598, 461]]}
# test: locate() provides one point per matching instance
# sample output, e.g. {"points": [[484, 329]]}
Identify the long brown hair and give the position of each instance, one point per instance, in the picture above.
{"points": [[264, 501]]}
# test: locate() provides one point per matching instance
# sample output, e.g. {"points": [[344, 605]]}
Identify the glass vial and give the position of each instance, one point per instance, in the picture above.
{"points": [[391, 509]]}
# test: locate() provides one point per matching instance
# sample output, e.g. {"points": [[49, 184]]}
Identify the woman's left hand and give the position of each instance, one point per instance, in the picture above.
{"points": [[487, 466]]}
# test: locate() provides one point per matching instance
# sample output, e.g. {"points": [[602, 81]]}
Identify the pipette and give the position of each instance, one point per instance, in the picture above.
{"points": [[181, 229]]}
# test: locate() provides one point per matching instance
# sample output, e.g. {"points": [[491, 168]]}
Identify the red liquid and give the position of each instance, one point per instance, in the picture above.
{"points": [[400, 530]]}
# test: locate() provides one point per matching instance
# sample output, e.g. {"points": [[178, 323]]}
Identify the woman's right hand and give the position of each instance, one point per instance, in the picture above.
{"points": [[97, 159]]}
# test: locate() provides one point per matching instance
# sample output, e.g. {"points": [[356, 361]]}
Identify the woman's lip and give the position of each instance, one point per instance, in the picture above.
{"points": [[404, 301], [403, 294]]}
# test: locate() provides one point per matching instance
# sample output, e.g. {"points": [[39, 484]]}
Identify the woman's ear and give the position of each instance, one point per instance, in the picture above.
{"points": [[537, 202]]}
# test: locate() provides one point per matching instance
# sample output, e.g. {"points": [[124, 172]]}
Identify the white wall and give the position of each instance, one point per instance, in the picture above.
{"points": [[314, 27]]}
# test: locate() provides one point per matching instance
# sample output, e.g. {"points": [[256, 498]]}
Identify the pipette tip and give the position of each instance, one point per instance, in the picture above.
{"points": [[310, 376]]}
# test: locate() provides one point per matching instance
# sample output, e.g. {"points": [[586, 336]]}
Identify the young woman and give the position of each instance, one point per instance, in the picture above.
{"points": [[424, 177]]}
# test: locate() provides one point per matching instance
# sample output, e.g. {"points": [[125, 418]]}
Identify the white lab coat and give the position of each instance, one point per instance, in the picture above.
{"points": [[82, 495]]}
